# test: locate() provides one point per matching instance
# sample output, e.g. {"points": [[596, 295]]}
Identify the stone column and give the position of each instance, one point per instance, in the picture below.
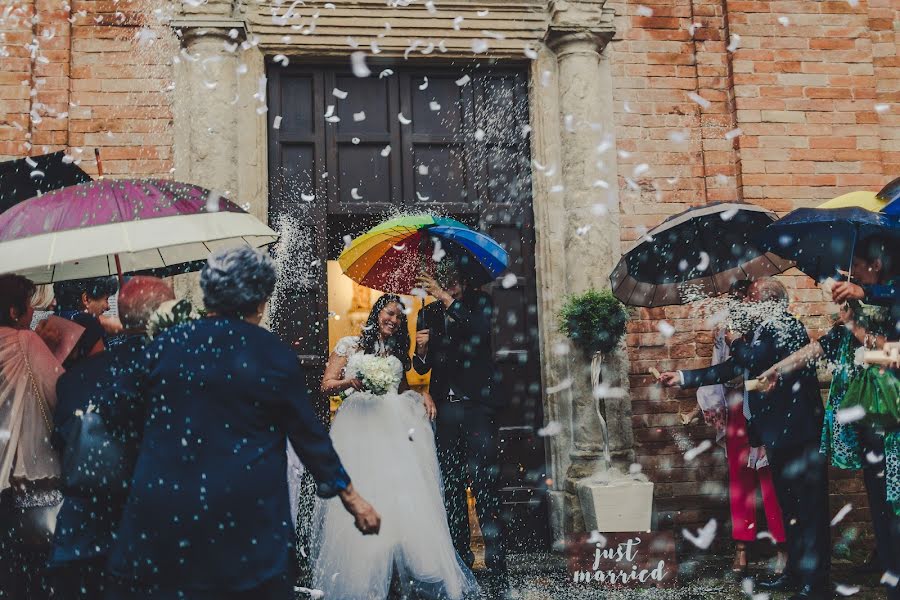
{"points": [[578, 35], [220, 116]]}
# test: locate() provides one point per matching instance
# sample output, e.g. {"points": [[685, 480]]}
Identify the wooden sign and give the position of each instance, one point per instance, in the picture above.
{"points": [[641, 559]]}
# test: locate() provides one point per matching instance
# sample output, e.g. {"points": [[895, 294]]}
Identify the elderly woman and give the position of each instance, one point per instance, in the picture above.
{"points": [[207, 516], [89, 514], [29, 467]]}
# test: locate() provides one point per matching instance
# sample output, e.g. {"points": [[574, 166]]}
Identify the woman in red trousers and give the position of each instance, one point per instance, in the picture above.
{"points": [[748, 470]]}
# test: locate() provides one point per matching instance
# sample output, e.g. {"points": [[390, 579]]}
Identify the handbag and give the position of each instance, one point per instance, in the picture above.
{"points": [[877, 391], [94, 460], [35, 506]]}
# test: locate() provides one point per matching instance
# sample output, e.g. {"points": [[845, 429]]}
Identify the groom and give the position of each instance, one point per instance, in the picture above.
{"points": [[453, 341]]}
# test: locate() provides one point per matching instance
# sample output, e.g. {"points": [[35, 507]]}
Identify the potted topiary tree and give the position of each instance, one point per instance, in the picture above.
{"points": [[596, 322]]}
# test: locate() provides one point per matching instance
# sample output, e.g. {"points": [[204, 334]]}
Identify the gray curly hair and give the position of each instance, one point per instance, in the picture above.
{"points": [[236, 281]]}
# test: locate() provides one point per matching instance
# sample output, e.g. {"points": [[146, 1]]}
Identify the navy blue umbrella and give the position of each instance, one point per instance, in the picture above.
{"points": [[822, 240], [697, 253]]}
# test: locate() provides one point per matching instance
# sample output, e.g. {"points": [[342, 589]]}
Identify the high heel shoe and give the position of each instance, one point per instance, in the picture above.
{"points": [[739, 566]]}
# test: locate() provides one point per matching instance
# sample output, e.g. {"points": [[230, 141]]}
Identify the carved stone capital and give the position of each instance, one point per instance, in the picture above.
{"points": [[574, 22], [233, 31]]}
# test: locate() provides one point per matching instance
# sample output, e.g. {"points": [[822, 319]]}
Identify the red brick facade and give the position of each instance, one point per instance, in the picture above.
{"points": [[812, 88]]}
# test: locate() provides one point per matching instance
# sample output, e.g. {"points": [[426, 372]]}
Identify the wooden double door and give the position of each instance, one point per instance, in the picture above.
{"points": [[346, 152]]}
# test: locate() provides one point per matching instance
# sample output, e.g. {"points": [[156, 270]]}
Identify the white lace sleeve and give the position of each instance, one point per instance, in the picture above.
{"points": [[347, 346]]}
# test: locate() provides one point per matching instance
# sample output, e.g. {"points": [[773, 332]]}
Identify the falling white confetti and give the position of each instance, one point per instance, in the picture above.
{"points": [[355, 141], [582, 230], [423, 169], [700, 449], [276, 122], [403, 120], [890, 578], [339, 94], [434, 106], [307, 197], [766, 535], [693, 27], [385, 73], [509, 280], [699, 99], [358, 62], [359, 116], [483, 13], [457, 21], [841, 514], [463, 80], [410, 433], [730, 135], [373, 46], [424, 85], [530, 53], [729, 214], [679, 137], [666, 329], [354, 193], [849, 415], [784, 21], [552, 428], [735, 43], [386, 151], [429, 4], [281, 59], [873, 458], [705, 535], [640, 170], [596, 538], [882, 108], [421, 197], [644, 11], [439, 252], [846, 590], [704, 261], [562, 385], [480, 46]]}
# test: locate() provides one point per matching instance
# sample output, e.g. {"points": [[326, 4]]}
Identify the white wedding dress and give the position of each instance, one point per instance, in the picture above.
{"points": [[387, 446]]}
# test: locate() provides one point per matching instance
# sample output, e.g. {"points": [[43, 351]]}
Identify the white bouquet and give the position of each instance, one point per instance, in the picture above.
{"points": [[377, 374]]}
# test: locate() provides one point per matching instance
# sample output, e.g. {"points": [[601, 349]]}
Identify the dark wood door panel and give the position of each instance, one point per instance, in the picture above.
{"points": [[420, 139]]}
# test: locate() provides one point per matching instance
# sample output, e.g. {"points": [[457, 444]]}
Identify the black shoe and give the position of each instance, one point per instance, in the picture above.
{"points": [[813, 592], [785, 583]]}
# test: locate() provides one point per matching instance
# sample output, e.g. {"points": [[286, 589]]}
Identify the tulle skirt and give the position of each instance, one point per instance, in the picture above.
{"points": [[387, 446]]}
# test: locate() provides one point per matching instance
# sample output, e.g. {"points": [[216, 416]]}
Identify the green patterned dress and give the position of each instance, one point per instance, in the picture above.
{"points": [[840, 440]]}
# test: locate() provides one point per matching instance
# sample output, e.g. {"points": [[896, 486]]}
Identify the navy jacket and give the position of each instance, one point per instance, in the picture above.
{"points": [[459, 349], [886, 295], [208, 507], [792, 413], [85, 524]]}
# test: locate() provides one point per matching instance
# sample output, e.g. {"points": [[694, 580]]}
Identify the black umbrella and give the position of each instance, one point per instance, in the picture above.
{"points": [[25, 178], [697, 253]]}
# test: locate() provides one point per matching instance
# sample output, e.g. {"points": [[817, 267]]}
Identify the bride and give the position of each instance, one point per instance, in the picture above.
{"points": [[386, 443]]}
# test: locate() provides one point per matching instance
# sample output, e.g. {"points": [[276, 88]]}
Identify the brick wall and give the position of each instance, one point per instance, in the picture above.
{"points": [[96, 74], [808, 92]]}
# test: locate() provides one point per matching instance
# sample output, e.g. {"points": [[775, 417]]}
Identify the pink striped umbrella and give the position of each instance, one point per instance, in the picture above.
{"points": [[121, 225]]}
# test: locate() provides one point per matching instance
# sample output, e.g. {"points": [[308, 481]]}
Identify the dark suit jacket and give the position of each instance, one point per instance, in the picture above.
{"points": [[85, 524], [208, 507], [791, 414], [459, 350]]}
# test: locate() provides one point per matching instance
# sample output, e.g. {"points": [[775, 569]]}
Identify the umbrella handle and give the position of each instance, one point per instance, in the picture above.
{"points": [[119, 270], [100, 173]]}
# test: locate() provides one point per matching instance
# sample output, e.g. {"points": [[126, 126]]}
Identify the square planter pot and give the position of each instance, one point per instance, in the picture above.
{"points": [[616, 505]]}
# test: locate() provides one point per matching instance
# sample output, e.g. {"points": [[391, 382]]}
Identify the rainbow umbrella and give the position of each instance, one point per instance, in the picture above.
{"points": [[392, 254]]}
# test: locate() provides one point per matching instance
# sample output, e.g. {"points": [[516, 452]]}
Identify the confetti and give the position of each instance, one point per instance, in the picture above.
{"points": [[784, 21], [386, 151], [276, 122], [730, 135], [841, 514], [846, 590], [552, 428], [424, 85], [463, 80], [457, 21], [281, 59], [339, 94], [700, 449], [644, 11], [434, 106], [699, 99], [358, 63], [849, 415], [882, 108], [666, 329], [480, 46], [705, 535], [403, 120], [359, 116]]}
